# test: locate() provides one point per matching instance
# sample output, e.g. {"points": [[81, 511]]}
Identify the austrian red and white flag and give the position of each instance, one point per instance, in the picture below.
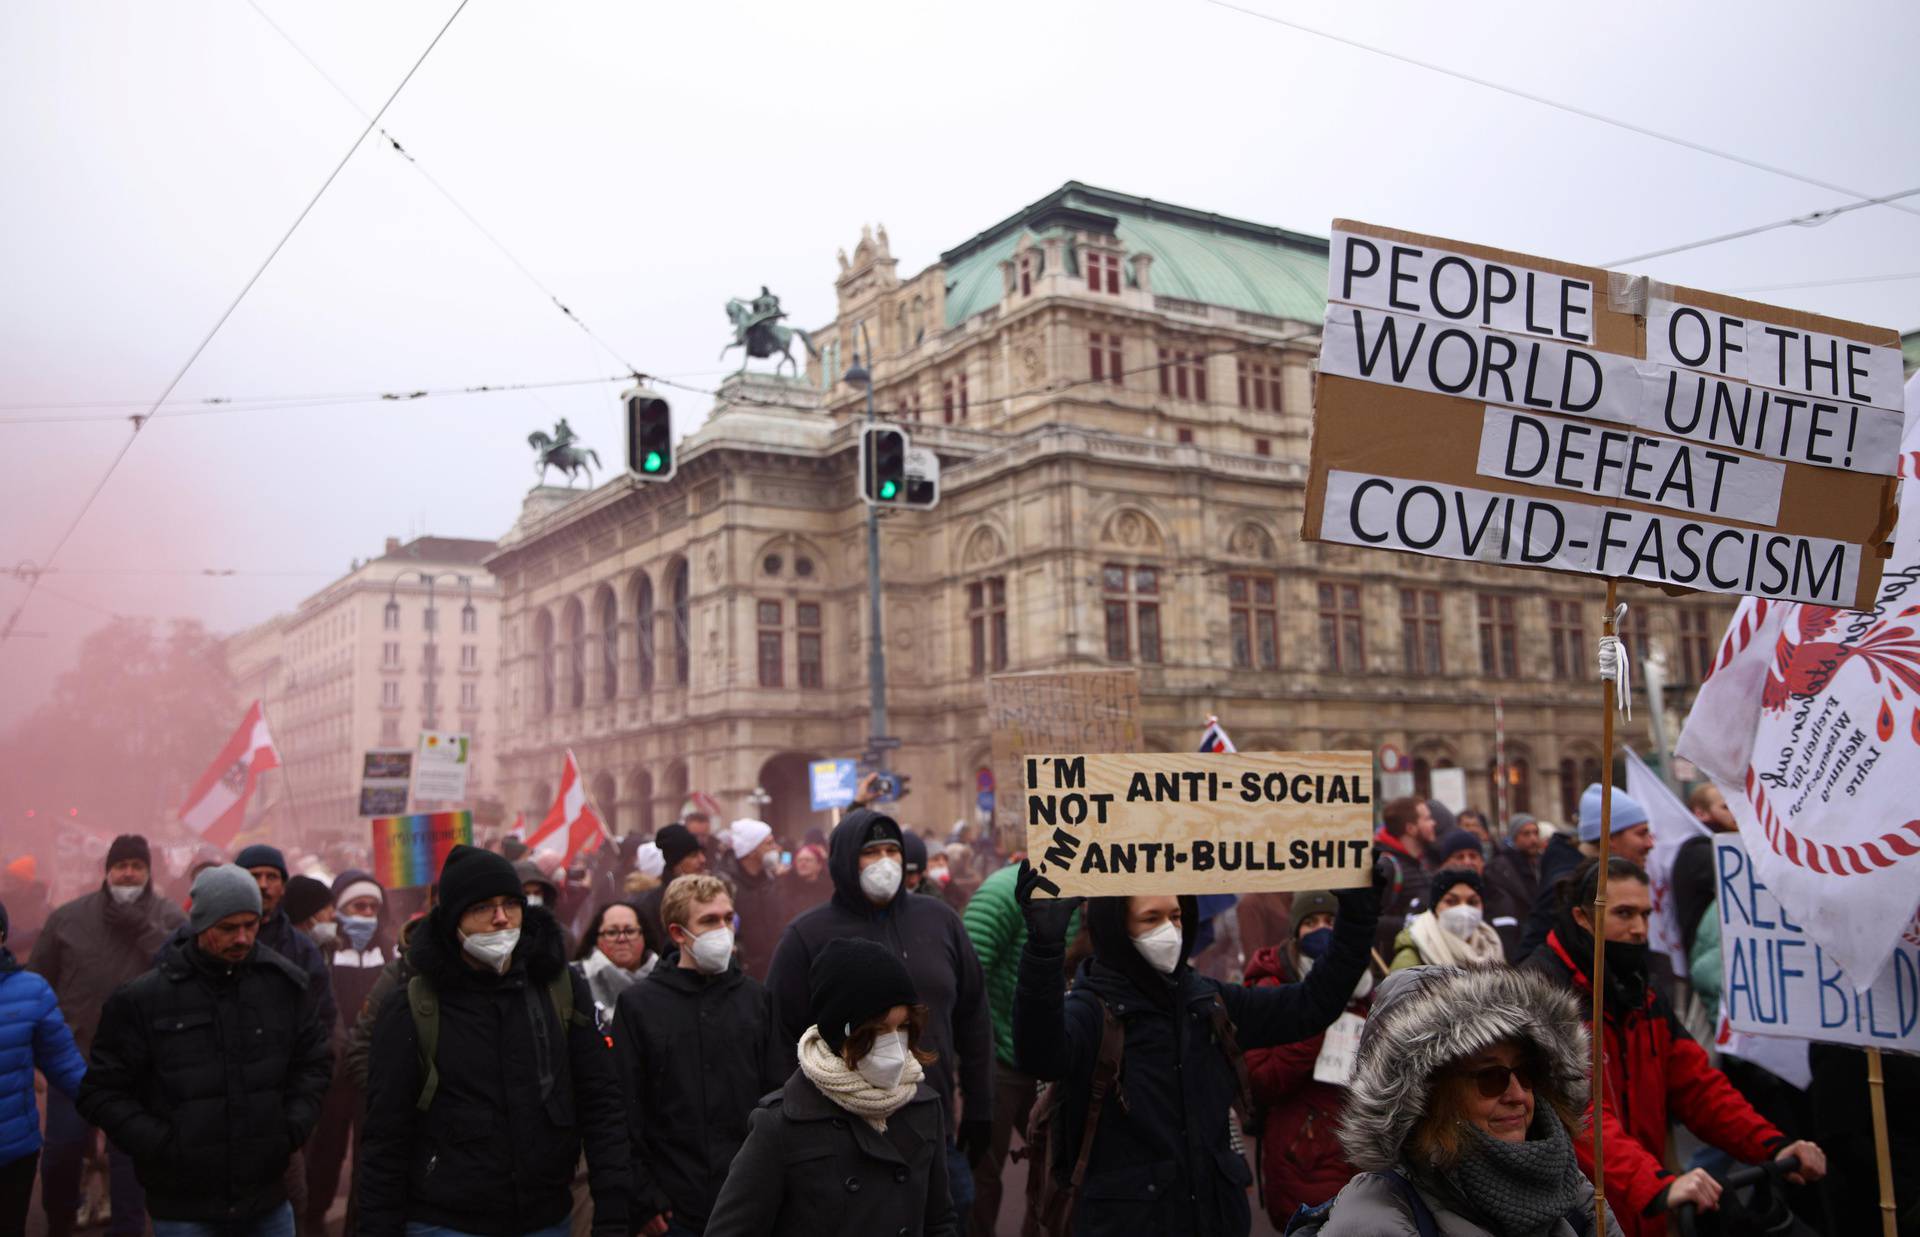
{"points": [[217, 804], [1214, 738], [1809, 722], [571, 822]]}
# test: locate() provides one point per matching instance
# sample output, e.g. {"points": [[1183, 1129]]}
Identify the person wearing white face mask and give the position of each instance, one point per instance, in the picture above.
{"points": [[1153, 1155], [864, 859], [1453, 931], [694, 1043], [483, 1134], [854, 1141]]}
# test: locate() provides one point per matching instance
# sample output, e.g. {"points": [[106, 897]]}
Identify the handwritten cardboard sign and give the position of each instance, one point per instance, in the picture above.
{"points": [[1071, 711], [1238, 822]]}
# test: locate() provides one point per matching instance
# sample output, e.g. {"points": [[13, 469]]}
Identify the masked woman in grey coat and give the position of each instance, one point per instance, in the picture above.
{"points": [[1466, 1097]]}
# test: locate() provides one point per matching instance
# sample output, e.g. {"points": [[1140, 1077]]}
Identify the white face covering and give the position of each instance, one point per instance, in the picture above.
{"points": [[881, 880], [1463, 920], [534, 899], [887, 1062], [712, 951], [1160, 947], [495, 949], [324, 931], [124, 894]]}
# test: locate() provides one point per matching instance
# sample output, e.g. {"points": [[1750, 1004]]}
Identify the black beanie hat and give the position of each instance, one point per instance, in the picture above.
{"points": [[1447, 878], [129, 846], [1453, 842], [913, 851], [260, 855], [305, 897], [471, 875], [852, 980], [676, 842]]}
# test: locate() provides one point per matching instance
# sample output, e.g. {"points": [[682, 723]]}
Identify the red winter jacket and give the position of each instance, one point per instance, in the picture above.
{"points": [[1655, 1072], [1301, 1157]]}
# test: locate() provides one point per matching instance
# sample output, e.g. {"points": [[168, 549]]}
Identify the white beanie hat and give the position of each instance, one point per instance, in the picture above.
{"points": [[647, 858], [747, 835]]}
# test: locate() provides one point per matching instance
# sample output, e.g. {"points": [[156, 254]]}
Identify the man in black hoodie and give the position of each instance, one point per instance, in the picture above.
{"points": [[864, 860], [485, 1140], [696, 1049]]}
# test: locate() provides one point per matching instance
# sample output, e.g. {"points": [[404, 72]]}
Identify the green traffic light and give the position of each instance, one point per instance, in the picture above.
{"points": [[888, 489], [653, 462]]}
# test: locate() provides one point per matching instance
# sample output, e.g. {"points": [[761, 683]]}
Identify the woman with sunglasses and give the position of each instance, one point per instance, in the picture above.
{"points": [[1463, 1110]]}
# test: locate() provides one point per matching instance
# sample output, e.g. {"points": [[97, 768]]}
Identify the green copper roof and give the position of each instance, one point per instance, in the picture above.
{"points": [[1197, 256]]}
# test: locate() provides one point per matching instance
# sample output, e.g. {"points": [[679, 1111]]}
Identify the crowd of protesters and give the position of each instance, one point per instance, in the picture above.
{"points": [[718, 1030]]}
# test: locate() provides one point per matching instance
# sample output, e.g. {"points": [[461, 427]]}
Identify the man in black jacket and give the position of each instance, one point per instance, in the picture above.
{"points": [[864, 860], [209, 1071], [269, 869], [486, 1139], [695, 1044]]}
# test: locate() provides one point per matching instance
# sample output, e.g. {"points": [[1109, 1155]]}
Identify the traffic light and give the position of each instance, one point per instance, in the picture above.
{"points": [[649, 436], [883, 465]]}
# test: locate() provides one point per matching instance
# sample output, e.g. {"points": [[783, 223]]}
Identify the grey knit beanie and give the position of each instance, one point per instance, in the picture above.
{"points": [[222, 890]]}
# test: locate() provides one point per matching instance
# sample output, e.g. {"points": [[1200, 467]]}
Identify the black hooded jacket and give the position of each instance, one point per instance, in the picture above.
{"points": [[210, 1076], [1161, 1161], [495, 1152], [929, 939], [696, 1052]]}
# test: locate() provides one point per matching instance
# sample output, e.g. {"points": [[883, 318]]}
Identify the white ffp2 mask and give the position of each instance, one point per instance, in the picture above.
{"points": [[886, 1063], [1462, 920], [1161, 947], [880, 880], [494, 949], [712, 950]]}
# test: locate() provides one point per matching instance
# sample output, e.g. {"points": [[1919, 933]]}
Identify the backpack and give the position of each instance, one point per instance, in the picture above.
{"points": [[1053, 1200], [425, 1004]]}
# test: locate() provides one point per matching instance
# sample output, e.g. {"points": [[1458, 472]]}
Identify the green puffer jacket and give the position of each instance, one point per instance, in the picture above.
{"points": [[999, 932]]}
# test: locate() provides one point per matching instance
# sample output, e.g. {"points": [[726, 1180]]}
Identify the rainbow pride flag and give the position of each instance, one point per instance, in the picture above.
{"points": [[408, 850]]}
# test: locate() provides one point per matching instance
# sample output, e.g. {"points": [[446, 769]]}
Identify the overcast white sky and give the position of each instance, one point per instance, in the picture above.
{"points": [[648, 160]]}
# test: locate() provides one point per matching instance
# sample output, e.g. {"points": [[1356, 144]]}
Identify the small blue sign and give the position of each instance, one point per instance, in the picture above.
{"points": [[832, 783], [986, 802]]}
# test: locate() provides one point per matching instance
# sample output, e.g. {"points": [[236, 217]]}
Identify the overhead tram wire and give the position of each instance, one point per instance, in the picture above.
{"points": [[1812, 219], [446, 193], [1824, 283], [139, 422], [1569, 108], [271, 403]]}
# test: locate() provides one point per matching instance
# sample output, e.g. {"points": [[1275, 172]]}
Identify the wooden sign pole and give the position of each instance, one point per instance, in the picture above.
{"points": [[1877, 1091], [1598, 919]]}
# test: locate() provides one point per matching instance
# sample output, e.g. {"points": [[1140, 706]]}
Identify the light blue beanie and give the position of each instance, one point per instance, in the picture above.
{"points": [[1627, 812]]}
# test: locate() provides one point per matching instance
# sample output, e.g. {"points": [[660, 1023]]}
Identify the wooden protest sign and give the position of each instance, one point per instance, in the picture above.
{"points": [[1238, 822], [1484, 405], [1070, 711]]}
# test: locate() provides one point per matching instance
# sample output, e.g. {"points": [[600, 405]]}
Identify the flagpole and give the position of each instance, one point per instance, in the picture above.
{"points": [[1597, 918], [1877, 1091], [286, 778]]}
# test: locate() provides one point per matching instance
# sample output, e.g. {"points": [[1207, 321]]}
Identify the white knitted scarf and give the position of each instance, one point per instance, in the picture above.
{"points": [[842, 1084], [1439, 947]]}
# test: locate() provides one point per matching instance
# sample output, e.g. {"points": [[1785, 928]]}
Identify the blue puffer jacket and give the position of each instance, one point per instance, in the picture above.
{"points": [[32, 1035]]}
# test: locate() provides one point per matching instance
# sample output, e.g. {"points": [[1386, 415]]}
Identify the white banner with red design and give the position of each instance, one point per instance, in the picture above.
{"points": [[217, 804], [1810, 725]]}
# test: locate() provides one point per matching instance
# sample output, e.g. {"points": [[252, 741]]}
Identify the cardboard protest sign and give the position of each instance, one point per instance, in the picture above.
{"points": [[386, 780], [408, 851], [1482, 405], [1238, 822], [1777, 980], [1072, 711]]}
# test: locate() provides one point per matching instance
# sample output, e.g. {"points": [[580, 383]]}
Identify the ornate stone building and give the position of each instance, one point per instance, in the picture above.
{"points": [[1120, 393]]}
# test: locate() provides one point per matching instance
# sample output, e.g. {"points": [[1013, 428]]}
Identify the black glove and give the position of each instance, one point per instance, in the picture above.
{"points": [[1047, 918], [1364, 904], [975, 1139]]}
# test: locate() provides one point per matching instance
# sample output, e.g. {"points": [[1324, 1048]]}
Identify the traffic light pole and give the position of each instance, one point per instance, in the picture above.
{"points": [[876, 643]]}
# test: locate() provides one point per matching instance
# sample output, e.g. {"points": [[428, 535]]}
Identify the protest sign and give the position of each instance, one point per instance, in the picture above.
{"points": [[386, 779], [1236, 822], [1777, 980], [440, 770], [831, 783], [1481, 405], [1449, 788], [408, 850], [1073, 711], [1808, 724], [1339, 1050]]}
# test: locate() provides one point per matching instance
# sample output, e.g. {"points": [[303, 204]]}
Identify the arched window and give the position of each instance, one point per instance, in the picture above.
{"points": [[643, 803], [543, 651], [682, 642], [1570, 788], [603, 799], [643, 627], [609, 620], [576, 654]]}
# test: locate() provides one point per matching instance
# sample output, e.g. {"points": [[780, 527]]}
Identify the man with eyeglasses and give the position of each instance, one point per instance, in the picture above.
{"points": [[487, 1076], [209, 1070], [696, 1051]]}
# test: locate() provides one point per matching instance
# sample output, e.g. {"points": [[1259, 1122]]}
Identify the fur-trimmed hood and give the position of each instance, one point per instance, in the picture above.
{"points": [[1430, 1016], [434, 948]]}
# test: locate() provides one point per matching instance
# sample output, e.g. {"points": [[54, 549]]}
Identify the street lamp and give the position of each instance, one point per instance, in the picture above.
{"points": [[430, 715], [858, 375]]}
